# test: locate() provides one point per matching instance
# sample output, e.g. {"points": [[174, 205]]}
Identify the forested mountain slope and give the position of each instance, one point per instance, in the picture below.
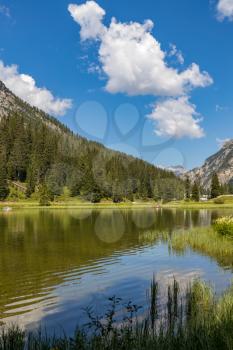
{"points": [[37, 149]]}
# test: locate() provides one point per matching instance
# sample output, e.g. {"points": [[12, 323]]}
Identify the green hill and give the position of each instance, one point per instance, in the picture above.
{"points": [[36, 149]]}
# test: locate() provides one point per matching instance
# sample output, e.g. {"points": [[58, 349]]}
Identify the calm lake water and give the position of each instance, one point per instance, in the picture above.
{"points": [[54, 263]]}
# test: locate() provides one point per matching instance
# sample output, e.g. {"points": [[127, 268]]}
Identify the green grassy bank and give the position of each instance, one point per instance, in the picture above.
{"points": [[80, 203]]}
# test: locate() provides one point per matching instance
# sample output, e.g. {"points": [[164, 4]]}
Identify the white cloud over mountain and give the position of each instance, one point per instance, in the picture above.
{"points": [[225, 9], [134, 63], [176, 117], [24, 86]]}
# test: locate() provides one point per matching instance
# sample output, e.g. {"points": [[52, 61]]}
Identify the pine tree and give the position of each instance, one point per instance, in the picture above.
{"points": [[215, 186], [45, 196], [40, 150], [187, 188], [4, 190], [196, 192]]}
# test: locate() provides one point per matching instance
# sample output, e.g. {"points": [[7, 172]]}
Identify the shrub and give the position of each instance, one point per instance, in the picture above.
{"points": [[219, 201], [15, 194], [224, 226], [45, 196]]}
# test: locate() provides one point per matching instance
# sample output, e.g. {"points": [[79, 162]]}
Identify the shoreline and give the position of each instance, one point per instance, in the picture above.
{"points": [[127, 205]]}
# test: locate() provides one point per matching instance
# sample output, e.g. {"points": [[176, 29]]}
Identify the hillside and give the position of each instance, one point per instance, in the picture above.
{"points": [[221, 163], [37, 149]]}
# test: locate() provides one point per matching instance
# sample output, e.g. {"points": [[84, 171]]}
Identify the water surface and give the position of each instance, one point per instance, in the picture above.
{"points": [[53, 263]]}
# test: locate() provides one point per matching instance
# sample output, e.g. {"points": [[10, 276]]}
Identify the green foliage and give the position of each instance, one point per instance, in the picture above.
{"points": [[45, 196], [204, 240], [219, 201], [39, 150], [15, 194], [4, 190], [196, 192], [187, 188], [215, 186], [224, 226]]}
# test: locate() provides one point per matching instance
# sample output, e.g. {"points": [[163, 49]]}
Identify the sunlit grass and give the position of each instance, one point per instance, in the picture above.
{"points": [[205, 241], [224, 226]]}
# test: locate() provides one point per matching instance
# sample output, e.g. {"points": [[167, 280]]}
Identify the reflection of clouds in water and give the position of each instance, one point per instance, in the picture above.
{"points": [[31, 314], [126, 276], [110, 226], [124, 269]]}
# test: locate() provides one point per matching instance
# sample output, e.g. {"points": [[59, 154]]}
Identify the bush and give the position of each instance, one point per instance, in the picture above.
{"points": [[219, 201], [224, 226], [45, 196], [15, 194]]}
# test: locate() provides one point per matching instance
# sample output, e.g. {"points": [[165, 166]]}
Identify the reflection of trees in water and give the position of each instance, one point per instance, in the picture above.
{"points": [[38, 248]]}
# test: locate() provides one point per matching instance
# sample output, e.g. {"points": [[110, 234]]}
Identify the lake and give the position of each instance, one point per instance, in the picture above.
{"points": [[54, 263]]}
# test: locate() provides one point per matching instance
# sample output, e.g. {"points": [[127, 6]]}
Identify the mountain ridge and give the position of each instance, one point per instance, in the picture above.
{"points": [[221, 163]]}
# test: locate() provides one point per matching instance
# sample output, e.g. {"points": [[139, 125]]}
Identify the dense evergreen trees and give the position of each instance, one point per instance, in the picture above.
{"points": [[48, 157], [196, 191], [4, 190], [187, 188], [215, 186]]}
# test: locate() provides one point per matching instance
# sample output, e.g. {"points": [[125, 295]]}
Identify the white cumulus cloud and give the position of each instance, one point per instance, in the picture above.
{"points": [[89, 16], [176, 53], [132, 58], [134, 63], [225, 9], [176, 117], [24, 86]]}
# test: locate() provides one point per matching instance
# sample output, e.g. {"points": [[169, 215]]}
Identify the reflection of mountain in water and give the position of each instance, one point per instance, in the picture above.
{"points": [[39, 249]]}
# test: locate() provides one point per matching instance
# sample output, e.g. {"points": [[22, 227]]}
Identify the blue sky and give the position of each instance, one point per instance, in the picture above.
{"points": [[83, 81]]}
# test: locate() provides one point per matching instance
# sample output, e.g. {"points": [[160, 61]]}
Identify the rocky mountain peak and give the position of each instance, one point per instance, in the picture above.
{"points": [[221, 163]]}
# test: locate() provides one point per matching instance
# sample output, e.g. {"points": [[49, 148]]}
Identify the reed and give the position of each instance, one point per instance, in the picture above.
{"points": [[204, 241], [192, 320]]}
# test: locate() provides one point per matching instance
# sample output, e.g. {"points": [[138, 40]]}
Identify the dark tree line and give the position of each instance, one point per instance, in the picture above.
{"points": [[47, 157], [195, 190]]}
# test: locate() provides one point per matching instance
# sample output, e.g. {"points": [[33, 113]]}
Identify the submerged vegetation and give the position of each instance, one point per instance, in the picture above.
{"points": [[192, 319]]}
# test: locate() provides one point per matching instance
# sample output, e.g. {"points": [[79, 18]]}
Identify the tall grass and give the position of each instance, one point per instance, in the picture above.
{"points": [[224, 226], [192, 320], [205, 241]]}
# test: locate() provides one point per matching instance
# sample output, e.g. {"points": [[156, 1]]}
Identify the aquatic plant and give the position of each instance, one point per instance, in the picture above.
{"points": [[193, 320], [204, 240], [224, 225]]}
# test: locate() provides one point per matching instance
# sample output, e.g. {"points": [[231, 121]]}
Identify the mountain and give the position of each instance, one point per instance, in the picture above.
{"points": [[38, 150], [221, 163], [178, 170]]}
